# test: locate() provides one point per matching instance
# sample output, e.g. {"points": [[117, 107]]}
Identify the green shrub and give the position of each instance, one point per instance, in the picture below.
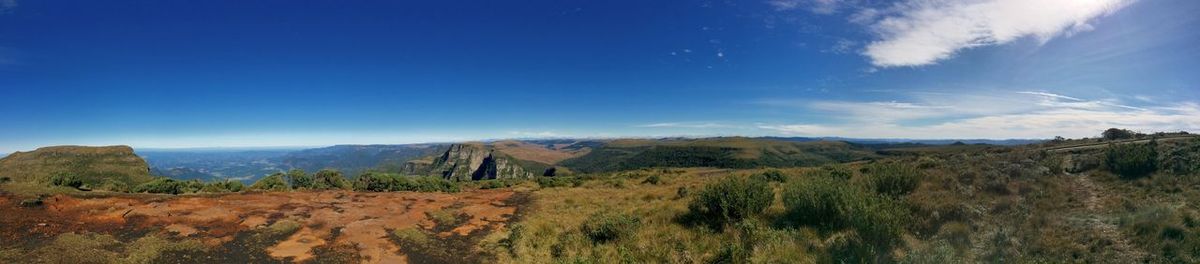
{"points": [[273, 182], [1168, 232], [113, 185], [653, 180], [681, 192], [730, 200], [429, 184], [606, 226], [1132, 161], [386, 182], [375, 182], [66, 180], [328, 179], [299, 179], [1116, 133], [894, 179], [770, 176], [829, 204], [818, 202], [223, 186], [498, 183], [559, 181], [169, 186], [32, 202]]}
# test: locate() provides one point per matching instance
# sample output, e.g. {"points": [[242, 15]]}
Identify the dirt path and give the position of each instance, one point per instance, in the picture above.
{"points": [[1101, 225]]}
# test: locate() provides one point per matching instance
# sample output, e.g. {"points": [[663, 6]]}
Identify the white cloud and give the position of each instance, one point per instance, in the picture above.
{"points": [[922, 32], [816, 6], [1024, 115]]}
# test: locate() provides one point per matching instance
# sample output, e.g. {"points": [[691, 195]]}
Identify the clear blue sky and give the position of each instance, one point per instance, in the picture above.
{"points": [[285, 73]]}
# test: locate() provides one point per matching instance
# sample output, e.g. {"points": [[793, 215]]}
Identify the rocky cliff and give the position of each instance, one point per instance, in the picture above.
{"points": [[471, 161]]}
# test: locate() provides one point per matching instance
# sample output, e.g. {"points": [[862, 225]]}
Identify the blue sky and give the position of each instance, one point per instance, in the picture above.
{"points": [[309, 73]]}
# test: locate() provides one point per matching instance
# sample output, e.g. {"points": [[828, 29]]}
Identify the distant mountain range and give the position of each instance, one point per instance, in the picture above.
{"points": [[530, 157]]}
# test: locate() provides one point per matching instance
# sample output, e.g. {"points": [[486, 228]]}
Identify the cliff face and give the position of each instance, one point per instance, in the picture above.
{"points": [[94, 165], [467, 162]]}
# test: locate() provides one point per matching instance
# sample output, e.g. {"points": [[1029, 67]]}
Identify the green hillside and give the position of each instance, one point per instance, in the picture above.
{"points": [[94, 166], [726, 152]]}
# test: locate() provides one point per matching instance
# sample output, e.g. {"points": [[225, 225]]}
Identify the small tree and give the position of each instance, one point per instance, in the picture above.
{"points": [[299, 179], [274, 182], [1116, 134], [329, 179], [1132, 160]]}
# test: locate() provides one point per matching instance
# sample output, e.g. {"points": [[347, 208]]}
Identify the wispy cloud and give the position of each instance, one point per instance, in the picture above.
{"points": [[1023, 115], [816, 6], [7, 6], [922, 32], [536, 134]]}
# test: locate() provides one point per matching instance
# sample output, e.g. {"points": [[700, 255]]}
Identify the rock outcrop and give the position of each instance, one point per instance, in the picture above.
{"points": [[469, 162]]}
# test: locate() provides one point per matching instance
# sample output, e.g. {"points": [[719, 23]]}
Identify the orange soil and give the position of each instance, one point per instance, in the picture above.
{"points": [[539, 153], [362, 220]]}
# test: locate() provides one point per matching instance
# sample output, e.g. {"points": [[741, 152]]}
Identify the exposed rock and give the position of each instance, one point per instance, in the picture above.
{"points": [[466, 162]]}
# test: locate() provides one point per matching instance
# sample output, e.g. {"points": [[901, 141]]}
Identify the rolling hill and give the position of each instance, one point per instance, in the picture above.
{"points": [[95, 166], [724, 152]]}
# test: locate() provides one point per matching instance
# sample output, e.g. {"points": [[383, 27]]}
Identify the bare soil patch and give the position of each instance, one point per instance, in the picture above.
{"points": [[334, 221]]}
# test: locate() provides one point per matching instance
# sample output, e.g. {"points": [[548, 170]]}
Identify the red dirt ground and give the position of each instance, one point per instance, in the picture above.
{"points": [[363, 220]]}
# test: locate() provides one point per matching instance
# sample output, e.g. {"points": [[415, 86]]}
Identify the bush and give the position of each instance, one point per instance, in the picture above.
{"points": [[66, 180], [329, 179], [1116, 133], [169, 186], [1132, 161], [730, 200], [559, 181], [386, 182], [273, 182], [894, 179], [770, 176], [496, 184], [223, 186], [606, 226], [829, 204], [653, 179], [299, 179]]}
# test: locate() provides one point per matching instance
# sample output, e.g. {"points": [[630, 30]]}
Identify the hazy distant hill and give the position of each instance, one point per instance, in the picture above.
{"points": [[214, 164], [1002, 142], [726, 152], [94, 165], [353, 159]]}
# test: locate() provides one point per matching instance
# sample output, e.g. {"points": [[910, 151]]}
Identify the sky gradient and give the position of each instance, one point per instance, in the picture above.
{"points": [[311, 73]]}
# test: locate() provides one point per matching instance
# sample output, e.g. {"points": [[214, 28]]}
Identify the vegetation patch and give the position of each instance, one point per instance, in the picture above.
{"points": [[1132, 161], [730, 200], [607, 226]]}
